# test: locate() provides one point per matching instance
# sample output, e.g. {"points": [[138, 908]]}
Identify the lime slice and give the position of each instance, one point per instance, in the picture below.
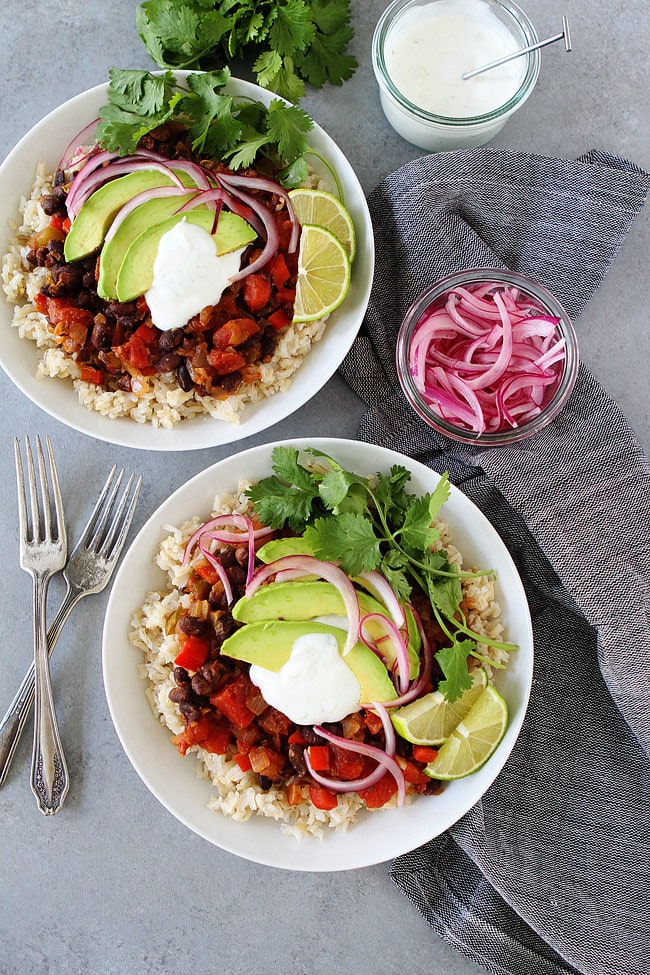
{"points": [[432, 718], [323, 274], [472, 741], [324, 210]]}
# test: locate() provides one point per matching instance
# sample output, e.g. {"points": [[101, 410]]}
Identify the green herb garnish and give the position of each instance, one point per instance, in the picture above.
{"points": [[236, 131], [290, 41], [367, 523]]}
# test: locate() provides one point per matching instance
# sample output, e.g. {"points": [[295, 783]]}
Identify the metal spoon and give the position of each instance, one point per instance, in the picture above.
{"points": [[525, 50]]}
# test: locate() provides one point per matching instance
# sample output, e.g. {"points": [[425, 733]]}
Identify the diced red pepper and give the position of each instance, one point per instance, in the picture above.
{"points": [[207, 572], [319, 756], [296, 738], [424, 753], [193, 653], [234, 332], [322, 798], [266, 761], [225, 361], [279, 319], [243, 761], [348, 765], [217, 740], [286, 296], [378, 794], [147, 333], [40, 303], [413, 774], [231, 701], [207, 733], [63, 310], [373, 722], [277, 268], [60, 223], [136, 352], [88, 374], [256, 291]]}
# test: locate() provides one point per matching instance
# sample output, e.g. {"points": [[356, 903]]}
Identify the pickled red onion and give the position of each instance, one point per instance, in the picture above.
{"points": [[487, 357]]}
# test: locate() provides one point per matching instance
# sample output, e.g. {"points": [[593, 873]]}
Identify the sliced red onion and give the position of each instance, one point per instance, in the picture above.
{"points": [[221, 572], [383, 589], [394, 634], [270, 232], [325, 570], [92, 181], [83, 138], [154, 193], [240, 521], [386, 763], [421, 682], [478, 339], [268, 186]]}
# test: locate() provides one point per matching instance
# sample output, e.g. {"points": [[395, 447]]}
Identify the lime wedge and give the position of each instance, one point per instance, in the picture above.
{"points": [[324, 210], [473, 740], [323, 274], [432, 718]]}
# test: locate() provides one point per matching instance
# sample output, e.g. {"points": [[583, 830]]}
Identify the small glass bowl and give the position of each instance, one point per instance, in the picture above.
{"points": [[440, 132], [528, 287]]}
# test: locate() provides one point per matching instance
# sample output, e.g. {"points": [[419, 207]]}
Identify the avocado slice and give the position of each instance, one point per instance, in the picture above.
{"points": [[89, 227], [279, 547], [146, 215], [299, 600], [135, 276], [269, 644]]}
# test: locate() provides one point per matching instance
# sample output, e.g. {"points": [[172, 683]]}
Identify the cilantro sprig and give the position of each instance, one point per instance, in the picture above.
{"points": [[291, 42], [234, 130], [367, 523]]}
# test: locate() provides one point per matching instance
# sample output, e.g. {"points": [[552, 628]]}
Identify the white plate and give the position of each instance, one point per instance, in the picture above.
{"points": [[46, 142], [378, 836]]}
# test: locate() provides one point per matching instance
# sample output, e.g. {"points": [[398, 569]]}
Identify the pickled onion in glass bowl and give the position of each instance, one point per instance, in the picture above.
{"points": [[487, 356]]}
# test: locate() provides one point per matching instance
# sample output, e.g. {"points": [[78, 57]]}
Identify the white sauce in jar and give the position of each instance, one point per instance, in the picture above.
{"points": [[431, 46], [188, 275], [314, 685]]}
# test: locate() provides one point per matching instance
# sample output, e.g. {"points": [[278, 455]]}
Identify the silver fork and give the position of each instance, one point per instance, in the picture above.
{"points": [[43, 550], [88, 570]]}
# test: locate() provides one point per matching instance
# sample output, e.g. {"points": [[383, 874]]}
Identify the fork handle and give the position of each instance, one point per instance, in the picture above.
{"points": [[12, 724], [49, 770]]}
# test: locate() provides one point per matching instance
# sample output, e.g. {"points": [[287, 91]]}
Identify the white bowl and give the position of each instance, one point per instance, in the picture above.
{"points": [[376, 836], [47, 142]]}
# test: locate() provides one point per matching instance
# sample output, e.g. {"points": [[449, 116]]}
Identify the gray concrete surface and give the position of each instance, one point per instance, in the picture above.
{"points": [[115, 884]]}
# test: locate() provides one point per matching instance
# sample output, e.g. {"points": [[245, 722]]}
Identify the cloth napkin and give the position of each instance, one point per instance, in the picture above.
{"points": [[550, 872]]}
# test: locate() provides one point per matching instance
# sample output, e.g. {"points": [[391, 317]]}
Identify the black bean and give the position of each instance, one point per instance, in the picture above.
{"points": [[201, 686], [192, 625], [50, 204], [167, 362], [183, 377], [297, 758], [170, 339], [181, 676], [181, 694], [264, 782]]}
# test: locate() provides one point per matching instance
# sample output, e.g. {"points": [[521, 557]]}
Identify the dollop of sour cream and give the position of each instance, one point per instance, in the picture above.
{"points": [[314, 685], [188, 274], [431, 46]]}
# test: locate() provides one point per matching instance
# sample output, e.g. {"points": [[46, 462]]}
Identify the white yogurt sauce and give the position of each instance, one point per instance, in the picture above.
{"points": [[314, 685], [188, 274], [430, 47]]}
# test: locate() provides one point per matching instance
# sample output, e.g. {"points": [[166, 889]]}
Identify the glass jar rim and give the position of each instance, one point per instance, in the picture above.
{"points": [[531, 287], [384, 80]]}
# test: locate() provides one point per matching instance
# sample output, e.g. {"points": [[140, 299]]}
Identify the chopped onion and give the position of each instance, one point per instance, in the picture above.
{"points": [[325, 570], [487, 357], [386, 763]]}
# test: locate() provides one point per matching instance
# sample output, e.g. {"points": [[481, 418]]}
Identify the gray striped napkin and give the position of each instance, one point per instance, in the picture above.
{"points": [[550, 872]]}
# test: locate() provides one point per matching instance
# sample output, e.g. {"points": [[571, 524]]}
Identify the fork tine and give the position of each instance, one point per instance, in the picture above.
{"points": [[33, 495], [22, 497], [94, 530], [122, 518], [56, 490], [43, 530]]}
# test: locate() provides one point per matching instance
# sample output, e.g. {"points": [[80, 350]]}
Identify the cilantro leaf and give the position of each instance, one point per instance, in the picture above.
{"points": [[453, 663], [292, 28], [288, 127], [394, 566], [212, 123], [286, 498], [138, 102], [348, 539], [439, 496], [445, 590], [416, 530]]}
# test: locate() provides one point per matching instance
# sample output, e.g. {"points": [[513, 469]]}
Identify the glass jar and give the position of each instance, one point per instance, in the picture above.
{"points": [[420, 50]]}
